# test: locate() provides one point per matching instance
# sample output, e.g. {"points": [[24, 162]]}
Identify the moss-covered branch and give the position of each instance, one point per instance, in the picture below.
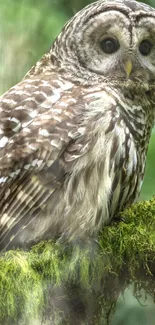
{"points": [[79, 284]]}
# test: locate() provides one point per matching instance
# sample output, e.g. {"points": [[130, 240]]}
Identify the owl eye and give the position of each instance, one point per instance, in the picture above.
{"points": [[109, 45], [145, 47]]}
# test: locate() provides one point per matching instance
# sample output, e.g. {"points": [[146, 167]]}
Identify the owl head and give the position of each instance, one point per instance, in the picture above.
{"points": [[111, 40]]}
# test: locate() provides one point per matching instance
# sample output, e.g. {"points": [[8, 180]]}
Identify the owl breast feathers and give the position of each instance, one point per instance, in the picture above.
{"points": [[74, 132]]}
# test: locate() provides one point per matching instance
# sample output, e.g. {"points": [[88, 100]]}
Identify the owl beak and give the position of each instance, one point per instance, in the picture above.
{"points": [[128, 67]]}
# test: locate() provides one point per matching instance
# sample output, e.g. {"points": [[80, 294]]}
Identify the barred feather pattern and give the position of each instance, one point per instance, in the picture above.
{"points": [[73, 141]]}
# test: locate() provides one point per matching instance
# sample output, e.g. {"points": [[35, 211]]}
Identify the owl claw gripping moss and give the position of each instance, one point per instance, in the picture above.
{"points": [[74, 132]]}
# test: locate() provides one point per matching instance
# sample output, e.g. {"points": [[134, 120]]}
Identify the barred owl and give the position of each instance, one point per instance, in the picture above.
{"points": [[74, 132]]}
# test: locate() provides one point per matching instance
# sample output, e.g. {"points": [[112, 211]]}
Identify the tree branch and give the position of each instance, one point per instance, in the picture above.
{"points": [[80, 283]]}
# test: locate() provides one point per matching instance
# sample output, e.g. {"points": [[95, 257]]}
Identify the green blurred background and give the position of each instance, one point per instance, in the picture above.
{"points": [[27, 29]]}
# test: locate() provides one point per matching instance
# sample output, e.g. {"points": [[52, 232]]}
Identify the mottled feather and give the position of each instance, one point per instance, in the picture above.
{"points": [[74, 132]]}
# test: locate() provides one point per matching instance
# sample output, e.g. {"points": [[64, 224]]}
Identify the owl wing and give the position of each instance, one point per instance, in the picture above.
{"points": [[37, 122]]}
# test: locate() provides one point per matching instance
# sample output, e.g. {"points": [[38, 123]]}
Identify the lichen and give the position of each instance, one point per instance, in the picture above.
{"points": [[57, 284]]}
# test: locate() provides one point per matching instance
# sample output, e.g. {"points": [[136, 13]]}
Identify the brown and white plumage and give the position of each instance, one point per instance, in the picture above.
{"points": [[74, 132]]}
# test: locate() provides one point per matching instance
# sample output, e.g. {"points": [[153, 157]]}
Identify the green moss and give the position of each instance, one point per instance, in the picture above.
{"points": [[55, 283], [132, 241], [19, 284]]}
